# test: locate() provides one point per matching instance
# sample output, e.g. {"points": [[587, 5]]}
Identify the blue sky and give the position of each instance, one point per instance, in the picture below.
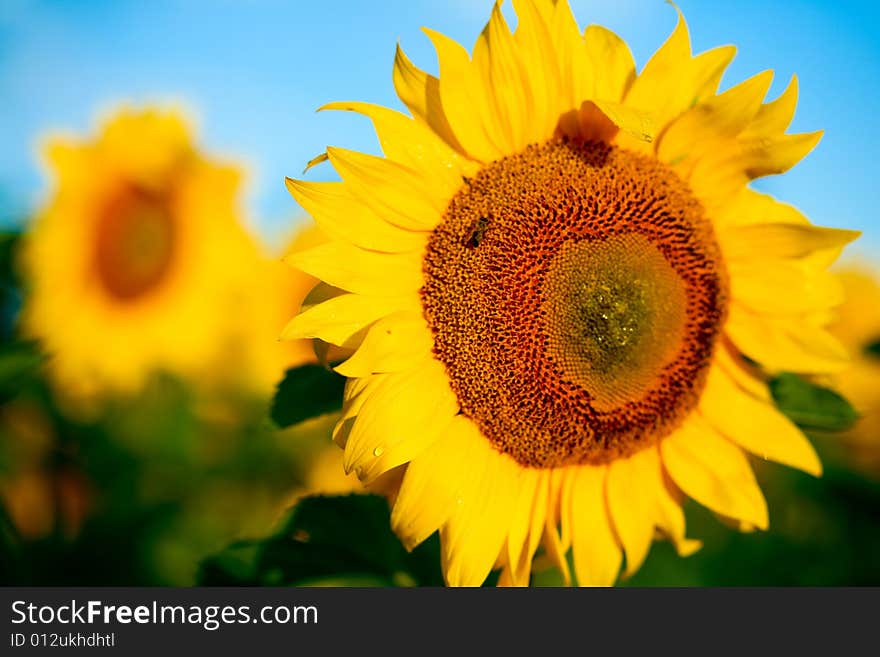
{"points": [[252, 72]]}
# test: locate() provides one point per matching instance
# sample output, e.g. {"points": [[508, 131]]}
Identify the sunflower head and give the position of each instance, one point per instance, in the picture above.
{"points": [[133, 261], [562, 296]]}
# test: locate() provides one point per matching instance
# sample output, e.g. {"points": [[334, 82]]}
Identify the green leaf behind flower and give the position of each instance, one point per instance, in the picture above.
{"points": [[306, 392], [19, 363], [328, 541], [812, 406]]}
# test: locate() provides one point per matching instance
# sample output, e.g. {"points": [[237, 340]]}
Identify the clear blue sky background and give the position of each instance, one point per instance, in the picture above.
{"points": [[252, 73]]}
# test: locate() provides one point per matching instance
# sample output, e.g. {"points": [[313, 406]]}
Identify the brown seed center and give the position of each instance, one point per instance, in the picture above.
{"points": [[575, 292], [135, 243]]}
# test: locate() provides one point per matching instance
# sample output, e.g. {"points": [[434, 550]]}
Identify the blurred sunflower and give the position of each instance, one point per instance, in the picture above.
{"points": [[136, 261], [857, 325], [551, 280]]}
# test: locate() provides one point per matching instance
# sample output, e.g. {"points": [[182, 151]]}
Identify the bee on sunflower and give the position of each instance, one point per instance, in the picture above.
{"points": [[561, 296]]}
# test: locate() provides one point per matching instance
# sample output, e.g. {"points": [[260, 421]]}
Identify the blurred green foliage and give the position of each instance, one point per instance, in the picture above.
{"points": [[328, 541], [160, 485], [139, 489]]}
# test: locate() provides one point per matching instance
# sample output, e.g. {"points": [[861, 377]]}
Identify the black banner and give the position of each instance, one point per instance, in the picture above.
{"points": [[131, 621]]}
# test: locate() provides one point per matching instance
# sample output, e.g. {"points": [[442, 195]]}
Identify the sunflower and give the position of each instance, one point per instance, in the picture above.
{"points": [[857, 326], [560, 287], [135, 262]]}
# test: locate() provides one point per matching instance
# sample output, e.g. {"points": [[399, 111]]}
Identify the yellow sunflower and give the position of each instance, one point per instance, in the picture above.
{"points": [[135, 263], [857, 326], [551, 280]]}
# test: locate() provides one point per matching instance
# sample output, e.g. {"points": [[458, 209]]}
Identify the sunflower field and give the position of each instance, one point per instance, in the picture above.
{"points": [[576, 308]]}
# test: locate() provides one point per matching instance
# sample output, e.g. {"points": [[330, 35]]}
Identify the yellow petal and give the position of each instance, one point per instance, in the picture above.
{"points": [[714, 472], [597, 555], [774, 118], [356, 392], [670, 516], [764, 156], [344, 218], [403, 415], [784, 343], [747, 376], [420, 92], [660, 88], [432, 484], [555, 543], [751, 207], [720, 173], [780, 240], [394, 192], [413, 145], [699, 129], [407, 200], [733, 110], [572, 61], [783, 287], [474, 535], [465, 100], [707, 69], [393, 343], [540, 69], [673, 81], [357, 270], [611, 58], [497, 55], [632, 503], [638, 125], [716, 176], [339, 319], [755, 424], [527, 524], [506, 578], [315, 161]]}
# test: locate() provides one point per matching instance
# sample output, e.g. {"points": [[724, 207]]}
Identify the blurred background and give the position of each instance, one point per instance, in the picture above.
{"points": [[117, 472]]}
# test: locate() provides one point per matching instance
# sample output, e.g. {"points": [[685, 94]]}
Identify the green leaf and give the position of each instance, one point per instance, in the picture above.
{"points": [[19, 361], [811, 406], [11, 557], [234, 566], [306, 392], [330, 541], [873, 348], [10, 292], [8, 244]]}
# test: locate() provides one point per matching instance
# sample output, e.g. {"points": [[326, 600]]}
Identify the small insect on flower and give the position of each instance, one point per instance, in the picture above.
{"points": [[477, 232]]}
